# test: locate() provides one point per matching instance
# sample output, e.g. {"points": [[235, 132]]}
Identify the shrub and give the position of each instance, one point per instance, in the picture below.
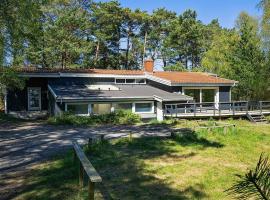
{"points": [[118, 117], [268, 118]]}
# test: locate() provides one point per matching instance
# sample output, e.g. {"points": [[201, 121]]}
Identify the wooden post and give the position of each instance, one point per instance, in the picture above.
{"points": [[260, 102], [247, 107], [225, 129], [195, 109], [233, 107], [219, 110], [130, 136], [91, 190], [81, 175], [214, 107]]}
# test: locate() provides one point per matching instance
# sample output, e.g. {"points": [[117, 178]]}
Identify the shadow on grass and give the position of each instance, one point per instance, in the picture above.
{"points": [[187, 137], [122, 166]]}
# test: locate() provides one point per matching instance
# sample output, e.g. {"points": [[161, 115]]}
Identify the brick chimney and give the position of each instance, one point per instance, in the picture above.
{"points": [[149, 65]]}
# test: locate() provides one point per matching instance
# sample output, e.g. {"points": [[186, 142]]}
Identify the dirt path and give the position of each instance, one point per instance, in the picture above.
{"points": [[24, 144]]}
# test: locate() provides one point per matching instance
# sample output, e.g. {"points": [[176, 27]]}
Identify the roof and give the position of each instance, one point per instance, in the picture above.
{"points": [[166, 77], [191, 77], [125, 92], [79, 70]]}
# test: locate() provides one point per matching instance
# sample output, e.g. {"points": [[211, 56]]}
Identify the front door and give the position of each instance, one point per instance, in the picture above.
{"points": [[34, 99]]}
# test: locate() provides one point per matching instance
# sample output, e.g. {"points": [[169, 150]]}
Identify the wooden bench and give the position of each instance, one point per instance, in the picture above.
{"points": [[86, 168]]}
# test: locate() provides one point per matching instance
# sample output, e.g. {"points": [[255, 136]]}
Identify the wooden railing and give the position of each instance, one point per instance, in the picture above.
{"points": [[86, 168], [216, 109]]}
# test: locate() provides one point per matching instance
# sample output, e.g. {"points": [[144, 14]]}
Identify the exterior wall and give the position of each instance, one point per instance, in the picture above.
{"points": [[79, 80], [17, 100], [224, 93], [144, 115]]}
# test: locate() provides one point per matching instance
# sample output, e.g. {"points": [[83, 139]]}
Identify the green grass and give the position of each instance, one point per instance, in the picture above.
{"points": [[197, 165]]}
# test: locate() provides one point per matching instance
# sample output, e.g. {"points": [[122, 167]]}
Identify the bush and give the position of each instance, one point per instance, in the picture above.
{"points": [[268, 118], [118, 117]]}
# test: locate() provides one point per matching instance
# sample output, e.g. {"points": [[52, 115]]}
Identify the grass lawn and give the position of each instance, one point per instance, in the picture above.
{"points": [[197, 165]]}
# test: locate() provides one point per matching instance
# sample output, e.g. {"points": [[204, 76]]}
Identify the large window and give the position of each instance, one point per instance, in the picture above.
{"points": [[34, 98], [208, 95], [195, 93], [78, 109], [100, 109], [129, 81], [123, 106], [143, 107], [202, 94]]}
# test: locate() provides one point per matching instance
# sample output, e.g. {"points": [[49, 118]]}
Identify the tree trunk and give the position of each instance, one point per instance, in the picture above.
{"points": [[97, 53], [127, 51]]}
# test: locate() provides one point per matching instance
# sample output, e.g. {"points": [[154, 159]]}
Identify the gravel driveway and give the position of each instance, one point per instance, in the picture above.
{"points": [[25, 144]]}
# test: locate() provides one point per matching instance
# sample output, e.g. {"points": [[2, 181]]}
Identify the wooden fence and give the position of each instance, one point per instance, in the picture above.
{"points": [[86, 168]]}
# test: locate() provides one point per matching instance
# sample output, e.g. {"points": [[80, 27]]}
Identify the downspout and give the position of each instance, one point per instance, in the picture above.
{"points": [[5, 99]]}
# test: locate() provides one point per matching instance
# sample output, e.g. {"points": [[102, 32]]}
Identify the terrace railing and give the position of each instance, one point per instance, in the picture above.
{"points": [[216, 109]]}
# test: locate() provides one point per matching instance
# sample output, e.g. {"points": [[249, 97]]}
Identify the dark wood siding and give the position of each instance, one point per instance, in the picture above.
{"points": [[224, 93], [17, 100]]}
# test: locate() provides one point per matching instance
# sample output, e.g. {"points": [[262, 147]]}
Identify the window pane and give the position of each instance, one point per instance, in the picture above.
{"points": [[143, 107], [140, 81], [195, 93], [101, 109], [34, 98], [123, 106], [78, 109], [208, 95], [120, 80], [130, 80]]}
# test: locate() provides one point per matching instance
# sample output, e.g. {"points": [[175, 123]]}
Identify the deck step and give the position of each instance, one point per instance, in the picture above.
{"points": [[257, 117]]}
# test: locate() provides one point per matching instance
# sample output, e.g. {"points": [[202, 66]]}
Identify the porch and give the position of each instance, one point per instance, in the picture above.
{"points": [[214, 109]]}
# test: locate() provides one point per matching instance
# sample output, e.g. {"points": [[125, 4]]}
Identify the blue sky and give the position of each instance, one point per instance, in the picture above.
{"points": [[225, 10]]}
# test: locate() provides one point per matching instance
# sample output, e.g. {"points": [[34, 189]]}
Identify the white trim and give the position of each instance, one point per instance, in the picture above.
{"points": [[216, 97], [100, 75], [28, 99], [5, 100], [125, 82], [159, 80], [51, 90]]}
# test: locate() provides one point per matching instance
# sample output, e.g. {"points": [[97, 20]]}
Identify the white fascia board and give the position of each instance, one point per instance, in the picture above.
{"points": [[157, 79], [103, 98], [202, 84], [100, 75], [52, 92]]}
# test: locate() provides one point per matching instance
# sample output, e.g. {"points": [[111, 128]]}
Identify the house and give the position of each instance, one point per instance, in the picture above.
{"points": [[99, 91]]}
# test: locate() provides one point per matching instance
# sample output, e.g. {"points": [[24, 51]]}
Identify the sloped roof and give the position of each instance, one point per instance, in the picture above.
{"points": [[191, 77], [125, 92], [79, 70]]}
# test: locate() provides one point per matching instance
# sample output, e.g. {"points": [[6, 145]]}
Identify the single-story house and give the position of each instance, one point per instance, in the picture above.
{"points": [[99, 91]]}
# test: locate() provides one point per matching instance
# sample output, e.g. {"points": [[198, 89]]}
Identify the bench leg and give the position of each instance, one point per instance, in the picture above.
{"points": [[91, 190]]}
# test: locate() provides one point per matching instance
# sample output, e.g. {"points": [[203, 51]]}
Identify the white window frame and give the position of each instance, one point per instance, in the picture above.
{"points": [[89, 108], [28, 99], [216, 97], [125, 82], [134, 107]]}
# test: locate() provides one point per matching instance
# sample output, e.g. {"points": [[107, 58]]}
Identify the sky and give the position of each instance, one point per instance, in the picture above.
{"points": [[226, 11]]}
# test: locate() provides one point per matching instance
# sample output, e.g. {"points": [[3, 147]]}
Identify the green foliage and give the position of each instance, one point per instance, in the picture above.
{"points": [[176, 67], [9, 79], [255, 184], [118, 117]]}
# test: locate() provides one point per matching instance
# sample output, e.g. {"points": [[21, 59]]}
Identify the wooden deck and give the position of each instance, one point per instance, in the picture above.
{"points": [[211, 109]]}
